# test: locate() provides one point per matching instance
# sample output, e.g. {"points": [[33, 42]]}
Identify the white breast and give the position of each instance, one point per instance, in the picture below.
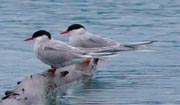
{"points": [[39, 41]]}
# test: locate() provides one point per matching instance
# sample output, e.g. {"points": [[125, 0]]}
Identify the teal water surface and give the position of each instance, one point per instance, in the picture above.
{"points": [[148, 77]]}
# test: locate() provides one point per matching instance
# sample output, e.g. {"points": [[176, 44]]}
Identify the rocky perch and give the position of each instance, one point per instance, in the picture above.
{"points": [[34, 89]]}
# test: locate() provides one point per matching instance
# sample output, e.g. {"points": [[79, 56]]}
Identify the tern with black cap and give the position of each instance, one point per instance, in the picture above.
{"points": [[56, 53], [80, 37]]}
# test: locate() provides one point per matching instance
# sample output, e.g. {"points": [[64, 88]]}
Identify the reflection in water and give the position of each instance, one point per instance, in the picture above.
{"points": [[95, 91], [80, 92]]}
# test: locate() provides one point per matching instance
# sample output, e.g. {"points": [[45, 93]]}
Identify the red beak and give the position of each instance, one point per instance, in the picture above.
{"points": [[64, 32], [28, 39]]}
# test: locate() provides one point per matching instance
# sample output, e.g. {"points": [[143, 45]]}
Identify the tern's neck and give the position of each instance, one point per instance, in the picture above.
{"points": [[40, 41]]}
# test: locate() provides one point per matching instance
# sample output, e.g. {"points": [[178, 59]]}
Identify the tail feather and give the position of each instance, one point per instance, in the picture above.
{"points": [[85, 58], [101, 54], [138, 45], [111, 50]]}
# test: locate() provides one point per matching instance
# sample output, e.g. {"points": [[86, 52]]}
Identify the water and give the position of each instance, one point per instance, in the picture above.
{"points": [[139, 77]]}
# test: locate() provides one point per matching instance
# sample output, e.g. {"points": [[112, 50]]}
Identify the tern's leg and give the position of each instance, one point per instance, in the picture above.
{"points": [[52, 70], [87, 61]]}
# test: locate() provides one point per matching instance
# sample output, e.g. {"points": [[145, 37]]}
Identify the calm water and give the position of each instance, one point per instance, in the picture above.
{"points": [[139, 77]]}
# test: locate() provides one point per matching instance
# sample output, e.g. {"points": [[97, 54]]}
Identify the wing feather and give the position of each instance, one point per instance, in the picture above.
{"points": [[58, 54], [94, 41]]}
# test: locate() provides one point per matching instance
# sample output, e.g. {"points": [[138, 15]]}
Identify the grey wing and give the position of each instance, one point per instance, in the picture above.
{"points": [[58, 45], [93, 41], [59, 57]]}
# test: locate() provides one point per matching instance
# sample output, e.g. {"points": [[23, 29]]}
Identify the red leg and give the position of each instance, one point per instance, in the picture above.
{"points": [[88, 61], [52, 70]]}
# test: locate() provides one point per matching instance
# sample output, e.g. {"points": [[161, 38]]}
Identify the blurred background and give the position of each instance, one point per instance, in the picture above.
{"points": [[145, 77]]}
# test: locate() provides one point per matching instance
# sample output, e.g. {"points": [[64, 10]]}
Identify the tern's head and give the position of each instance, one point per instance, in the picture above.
{"points": [[39, 35], [74, 28]]}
